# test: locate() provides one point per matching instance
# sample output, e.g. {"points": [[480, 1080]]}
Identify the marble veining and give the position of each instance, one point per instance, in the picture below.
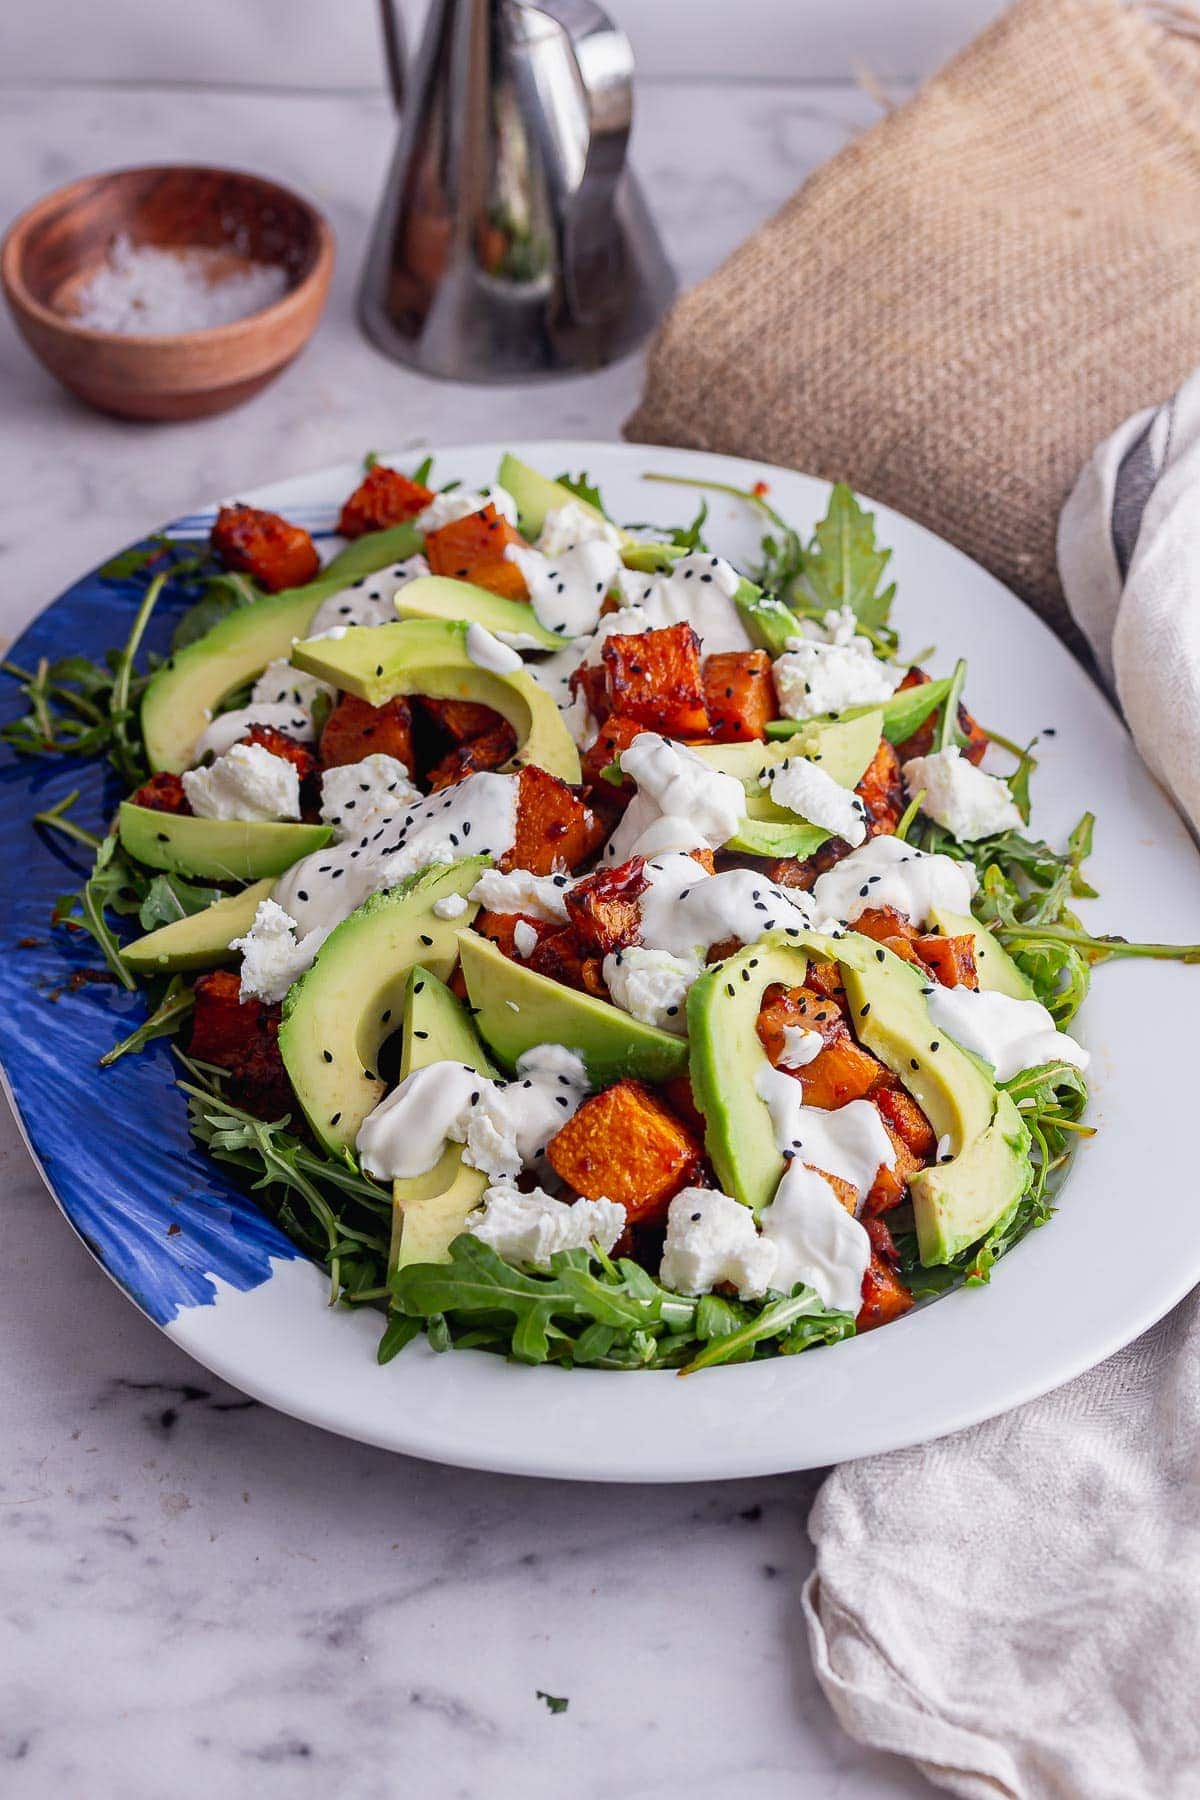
{"points": [[197, 1594]]}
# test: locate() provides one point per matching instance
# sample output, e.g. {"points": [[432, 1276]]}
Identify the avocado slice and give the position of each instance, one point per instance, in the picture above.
{"points": [[725, 1055], [430, 1210], [957, 1203], [516, 1008], [441, 597], [843, 749], [338, 1014], [429, 656], [903, 712], [998, 973], [181, 698], [200, 941], [222, 849], [536, 495]]}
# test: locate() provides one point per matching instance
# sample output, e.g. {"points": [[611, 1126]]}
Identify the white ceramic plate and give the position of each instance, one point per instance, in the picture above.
{"points": [[1123, 1248]]}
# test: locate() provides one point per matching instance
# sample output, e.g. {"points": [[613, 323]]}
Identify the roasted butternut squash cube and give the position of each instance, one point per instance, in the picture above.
{"points": [[489, 751], [556, 831], [884, 1295], [605, 907], [262, 544], [461, 720], [472, 549], [501, 928], [739, 691], [900, 1111], [241, 1037], [162, 793], [625, 1145], [354, 730], [891, 1185], [383, 497], [278, 743], [951, 959], [883, 924], [921, 741], [843, 1070], [588, 681], [615, 735], [561, 957], [881, 790], [655, 676]]}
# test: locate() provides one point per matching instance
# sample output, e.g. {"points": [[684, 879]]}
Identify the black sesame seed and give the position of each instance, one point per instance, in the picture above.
{"points": [[913, 1063], [864, 1010], [935, 1043], [335, 1119], [427, 941], [420, 1034], [328, 1055]]}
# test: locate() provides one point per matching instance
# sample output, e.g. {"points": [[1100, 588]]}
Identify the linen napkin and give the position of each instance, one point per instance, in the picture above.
{"points": [[957, 308]]}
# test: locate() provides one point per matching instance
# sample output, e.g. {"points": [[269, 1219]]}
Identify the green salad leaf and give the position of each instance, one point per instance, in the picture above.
{"points": [[164, 1021], [583, 488], [844, 566]]}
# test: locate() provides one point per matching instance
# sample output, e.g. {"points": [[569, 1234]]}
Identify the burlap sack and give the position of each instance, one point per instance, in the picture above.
{"points": [[957, 308]]}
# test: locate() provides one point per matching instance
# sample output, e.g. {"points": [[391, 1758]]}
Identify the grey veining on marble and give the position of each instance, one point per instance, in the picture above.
{"points": [[197, 1595]]}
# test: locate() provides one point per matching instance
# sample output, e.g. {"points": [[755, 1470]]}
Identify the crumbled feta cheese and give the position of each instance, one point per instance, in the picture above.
{"points": [[486, 651], [572, 523], [712, 1238], [246, 783], [967, 802], [375, 789], [460, 503], [533, 1227], [812, 678], [228, 728], [371, 600], [450, 906], [802, 787], [281, 685], [888, 872], [681, 804], [525, 938], [272, 960], [652, 985], [537, 896], [815, 1240], [800, 1047]]}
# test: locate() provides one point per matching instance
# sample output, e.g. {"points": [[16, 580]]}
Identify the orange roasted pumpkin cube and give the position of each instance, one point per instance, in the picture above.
{"points": [[843, 1070], [625, 1145], [951, 959], [383, 497], [556, 831], [162, 793], [605, 907], [881, 790], [615, 735], [262, 544], [884, 1295], [354, 730], [655, 676], [560, 956], [501, 929], [489, 751], [241, 1037], [902, 1114], [890, 1185], [472, 549], [739, 691], [461, 720]]}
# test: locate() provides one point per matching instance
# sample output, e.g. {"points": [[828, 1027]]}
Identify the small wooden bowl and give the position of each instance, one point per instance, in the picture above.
{"points": [[59, 242]]}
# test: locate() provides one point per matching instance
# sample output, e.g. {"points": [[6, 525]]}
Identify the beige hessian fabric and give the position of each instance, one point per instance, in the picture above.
{"points": [[953, 311]]}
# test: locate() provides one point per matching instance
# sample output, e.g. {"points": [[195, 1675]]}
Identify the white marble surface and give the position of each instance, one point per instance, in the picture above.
{"points": [[197, 1595]]}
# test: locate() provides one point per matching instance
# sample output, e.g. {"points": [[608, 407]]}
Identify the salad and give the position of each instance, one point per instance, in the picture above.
{"points": [[589, 951]]}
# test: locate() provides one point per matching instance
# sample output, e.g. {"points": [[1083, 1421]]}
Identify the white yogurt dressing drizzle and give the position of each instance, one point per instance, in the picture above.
{"points": [[851, 1142], [698, 590], [537, 896], [567, 589], [815, 1239], [801, 787], [684, 909], [487, 651], [1010, 1034], [681, 802], [227, 728], [460, 503], [889, 872], [368, 601]]}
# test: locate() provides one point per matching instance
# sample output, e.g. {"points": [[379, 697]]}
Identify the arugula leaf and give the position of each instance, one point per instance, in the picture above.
{"points": [[800, 1319], [555, 1702], [113, 885], [583, 489], [423, 471], [176, 1003], [223, 594], [843, 566], [171, 897]]}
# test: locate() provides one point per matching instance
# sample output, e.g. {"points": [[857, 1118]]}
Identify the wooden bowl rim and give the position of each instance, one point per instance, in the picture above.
{"points": [[279, 312]]}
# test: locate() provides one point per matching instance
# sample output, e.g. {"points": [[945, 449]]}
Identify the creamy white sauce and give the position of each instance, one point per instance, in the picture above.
{"points": [[712, 1238], [815, 1239], [354, 795], [282, 685], [533, 1227], [652, 985], [272, 959], [371, 600], [969, 803], [246, 783], [518, 891], [1009, 1034], [698, 590], [800, 1047], [685, 910], [681, 802], [460, 503], [487, 652], [888, 872], [851, 1142], [567, 589], [229, 727], [572, 523], [813, 679], [502, 1125], [809, 791]]}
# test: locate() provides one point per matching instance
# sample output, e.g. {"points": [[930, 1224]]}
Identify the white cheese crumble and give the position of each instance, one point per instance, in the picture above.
{"points": [[371, 600], [812, 678], [272, 959], [1010, 1034], [229, 727], [681, 802], [246, 783], [572, 523], [652, 985], [375, 789], [800, 1047], [460, 503], [537, 896], [888, 872], [533, 1227], [803, 788], [815, 1239], [969, 803], [450, 906], [698, 590], [525, 938], [712, 1238], [281, 685], [486, 651]]}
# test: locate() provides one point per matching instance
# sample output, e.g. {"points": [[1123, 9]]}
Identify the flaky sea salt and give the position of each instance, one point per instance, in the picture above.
{"points": [[141, 290]]}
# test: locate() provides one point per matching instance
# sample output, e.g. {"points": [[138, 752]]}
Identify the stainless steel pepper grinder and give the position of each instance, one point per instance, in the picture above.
{"points": [[512, 239]]}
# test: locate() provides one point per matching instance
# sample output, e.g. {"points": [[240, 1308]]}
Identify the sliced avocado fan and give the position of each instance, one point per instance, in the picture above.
{"points": [[221, 849], [441, 597], [843, 749], [200, 941]]}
